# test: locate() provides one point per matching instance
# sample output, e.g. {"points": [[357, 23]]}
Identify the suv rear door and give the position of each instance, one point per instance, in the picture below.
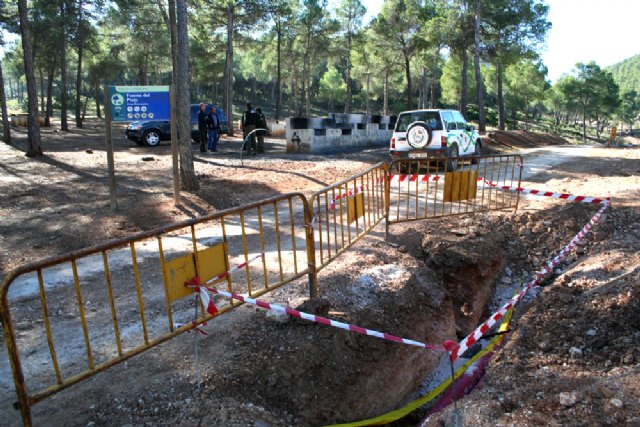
{"points": [[449, 125], [465, 144]]}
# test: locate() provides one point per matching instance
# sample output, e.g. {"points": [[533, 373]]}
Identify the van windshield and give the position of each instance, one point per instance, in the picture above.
{"points": [[432, 118]]}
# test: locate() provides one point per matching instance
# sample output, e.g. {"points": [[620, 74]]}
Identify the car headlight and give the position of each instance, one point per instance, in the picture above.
{"points": [[135, 126]]}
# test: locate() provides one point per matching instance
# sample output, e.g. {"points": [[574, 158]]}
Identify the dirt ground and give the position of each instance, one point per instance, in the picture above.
{"points": [[571, 358]]}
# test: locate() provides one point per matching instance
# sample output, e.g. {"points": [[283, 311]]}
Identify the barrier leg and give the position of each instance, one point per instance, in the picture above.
{"points": [[23, 402]]}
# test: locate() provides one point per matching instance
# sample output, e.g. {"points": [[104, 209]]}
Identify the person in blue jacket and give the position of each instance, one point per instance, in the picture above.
{"points": [[202, 126], [213, 130]]}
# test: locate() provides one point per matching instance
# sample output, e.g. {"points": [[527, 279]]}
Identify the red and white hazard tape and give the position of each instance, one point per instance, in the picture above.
{"points": [[563, 196], [405, 177], [455, 350], [359, 189], [204, 296], [236, 268], [196, 326], [313, 317], [458, 350]]}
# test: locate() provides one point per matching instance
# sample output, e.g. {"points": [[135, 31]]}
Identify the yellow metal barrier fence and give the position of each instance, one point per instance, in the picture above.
{"points": [[107, 303], [427, 188], [78, 314], [346, 211]]}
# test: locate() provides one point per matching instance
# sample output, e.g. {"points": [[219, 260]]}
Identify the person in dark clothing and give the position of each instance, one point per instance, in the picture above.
{"points": [[213, 130], [249, 120], [202, 126], [261, 123]]}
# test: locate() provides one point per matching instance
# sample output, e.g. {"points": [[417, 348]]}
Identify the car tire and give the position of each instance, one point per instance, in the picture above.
{"points": [[151, 138], [419, 135], [452, 160], [477, 152]]}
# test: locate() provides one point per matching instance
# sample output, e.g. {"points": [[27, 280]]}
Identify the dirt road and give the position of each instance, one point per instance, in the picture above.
{"points": [[270, 373]]}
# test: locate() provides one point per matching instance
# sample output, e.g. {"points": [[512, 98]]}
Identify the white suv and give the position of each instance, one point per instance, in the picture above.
{"points": [[433, 133]]}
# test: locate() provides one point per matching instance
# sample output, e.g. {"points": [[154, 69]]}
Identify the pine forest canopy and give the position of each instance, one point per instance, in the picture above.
{"points": [[627, 74], [302, 58]]}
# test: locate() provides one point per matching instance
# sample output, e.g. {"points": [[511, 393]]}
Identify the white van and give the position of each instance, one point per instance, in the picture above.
{"points": [[433, 133]]}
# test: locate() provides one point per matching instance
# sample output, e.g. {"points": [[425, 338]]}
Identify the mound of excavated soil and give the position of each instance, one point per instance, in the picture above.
{"points": [[521, 139]]}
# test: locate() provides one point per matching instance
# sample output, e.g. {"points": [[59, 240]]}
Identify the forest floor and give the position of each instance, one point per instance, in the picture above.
{"points": [[571, 358]]}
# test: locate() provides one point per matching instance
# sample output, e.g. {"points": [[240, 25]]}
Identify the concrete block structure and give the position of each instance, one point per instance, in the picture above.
{"points": [[337, 132]]}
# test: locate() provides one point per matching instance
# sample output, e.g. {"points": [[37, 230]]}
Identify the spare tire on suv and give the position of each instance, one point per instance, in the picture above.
{"points": [[419, 134]]}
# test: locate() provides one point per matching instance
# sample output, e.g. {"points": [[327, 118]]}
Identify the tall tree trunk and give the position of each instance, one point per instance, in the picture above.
{"points": [[144, 72], [501, 112], [6, 128], [63, 69], [584, 123], [228, 74], [385, 95], [33, 131], [347, 97], [48, 110], [42, 91], [367, 98], [306, 71], [170, 22], [407, 70], [279, 68], [308, 92], [188, 177], [476, 63], [464, 82], [84, 106], [79, 71], [433, 101], [423, 88], [526, 112], [98, 112]]}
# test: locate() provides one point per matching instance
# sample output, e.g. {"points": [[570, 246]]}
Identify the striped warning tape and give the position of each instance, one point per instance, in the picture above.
{"points": [[236, 268], [195, 283], [405, 177], [467, 342], [204, 296], [400, 178], [564, 196], [196, 326], [357, 190], [455, 350]]}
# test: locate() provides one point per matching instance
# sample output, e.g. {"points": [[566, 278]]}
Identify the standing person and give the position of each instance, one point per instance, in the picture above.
{"points": [[213, 130], [202, 126], [249, 119], [261, 123]]}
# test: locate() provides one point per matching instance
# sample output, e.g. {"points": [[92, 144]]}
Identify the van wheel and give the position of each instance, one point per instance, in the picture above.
{"points": [[477, 152], [452, 159]]}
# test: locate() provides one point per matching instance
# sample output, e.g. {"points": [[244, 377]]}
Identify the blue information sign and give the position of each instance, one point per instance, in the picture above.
{"points": [[133, 103]]}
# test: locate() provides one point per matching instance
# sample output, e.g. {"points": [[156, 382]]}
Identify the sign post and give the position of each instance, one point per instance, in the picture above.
{"points": [[174, 147], [109, 147], [129, 104]]}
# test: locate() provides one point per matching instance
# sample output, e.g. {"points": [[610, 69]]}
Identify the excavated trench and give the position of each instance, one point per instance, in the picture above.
{"points": [[430, 283], [447, 281]]}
